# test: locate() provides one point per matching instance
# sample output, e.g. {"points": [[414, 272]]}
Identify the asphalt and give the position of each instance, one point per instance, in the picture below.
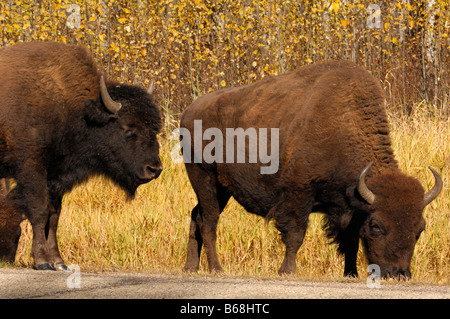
{"points": [[23, 283]]}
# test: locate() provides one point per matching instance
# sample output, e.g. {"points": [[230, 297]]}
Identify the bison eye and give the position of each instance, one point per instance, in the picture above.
{"points": [[130, 130], [375, 228], [130, 133]]}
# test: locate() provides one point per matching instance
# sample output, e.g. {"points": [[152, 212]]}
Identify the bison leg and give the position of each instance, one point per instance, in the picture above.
{"points": [[195, 243], [30, 196], [52, 243], [343, 225], [39, 252], [292, 223], [9, 226], [204, 218], [350, 259], [349, 246]]}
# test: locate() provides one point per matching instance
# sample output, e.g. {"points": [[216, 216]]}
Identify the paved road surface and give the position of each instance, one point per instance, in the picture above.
{"points": [[29, 283]]}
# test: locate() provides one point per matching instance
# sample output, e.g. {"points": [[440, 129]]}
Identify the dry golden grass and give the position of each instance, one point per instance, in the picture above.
{"points": [[100, 230]]}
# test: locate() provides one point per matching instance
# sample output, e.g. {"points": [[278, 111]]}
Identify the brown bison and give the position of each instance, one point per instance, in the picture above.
{"points": [[9, 226], [332, 154], [60, 123]]}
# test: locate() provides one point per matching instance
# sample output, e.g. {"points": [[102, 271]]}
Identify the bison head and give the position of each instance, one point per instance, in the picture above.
{"points": [[126, 123], [395, 221]]}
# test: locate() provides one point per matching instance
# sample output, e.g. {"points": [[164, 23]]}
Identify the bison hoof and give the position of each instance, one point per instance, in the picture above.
{"points": [[45, 266], [286, 271], [190, 269], [351, 274], [216, 270], [62, 267]]}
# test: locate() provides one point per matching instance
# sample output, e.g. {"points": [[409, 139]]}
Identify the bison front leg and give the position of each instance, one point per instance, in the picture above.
{"points": [[349, 247], [38, 217], [30, 197], [350, 260], [52, 226], [347, 239]]}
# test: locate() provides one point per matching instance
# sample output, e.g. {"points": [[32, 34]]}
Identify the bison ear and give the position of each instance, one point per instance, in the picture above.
{"points": [[96, 114]]}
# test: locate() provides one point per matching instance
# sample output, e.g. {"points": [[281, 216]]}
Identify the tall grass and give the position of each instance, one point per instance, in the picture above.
{"points": [[101, 231]]}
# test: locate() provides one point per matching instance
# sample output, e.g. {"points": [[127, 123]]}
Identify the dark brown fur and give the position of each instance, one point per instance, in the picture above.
{"points": [[332, 123], [55, 132], [9, 226]]}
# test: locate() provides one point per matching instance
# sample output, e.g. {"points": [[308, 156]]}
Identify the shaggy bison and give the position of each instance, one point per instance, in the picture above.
{"points": [[334, 156], [9, 225], [60, 123]]}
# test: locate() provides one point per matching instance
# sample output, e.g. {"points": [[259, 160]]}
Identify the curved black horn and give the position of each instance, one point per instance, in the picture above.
{"points": [[363, 190], [110, 104], [434, 192]]}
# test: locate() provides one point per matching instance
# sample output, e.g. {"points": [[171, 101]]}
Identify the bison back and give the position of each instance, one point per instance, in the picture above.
{"points": [[331, 119]]}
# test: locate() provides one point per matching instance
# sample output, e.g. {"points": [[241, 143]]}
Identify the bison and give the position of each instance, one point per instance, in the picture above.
{"points": [[62, 122], [334, 157], [10, 230]]}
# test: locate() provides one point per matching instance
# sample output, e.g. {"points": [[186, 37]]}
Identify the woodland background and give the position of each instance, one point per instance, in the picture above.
{"points": [[191, 47]]}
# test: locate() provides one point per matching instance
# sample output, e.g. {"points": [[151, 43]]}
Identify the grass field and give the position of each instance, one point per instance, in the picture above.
{"points": [[101, 231]]}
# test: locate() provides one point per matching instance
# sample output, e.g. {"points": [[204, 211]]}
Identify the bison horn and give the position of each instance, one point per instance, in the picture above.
{"points": [[150, 88], [363, 190], [434, 192], [112, 106]]}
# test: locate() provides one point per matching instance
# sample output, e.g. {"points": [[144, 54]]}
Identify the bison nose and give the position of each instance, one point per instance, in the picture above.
{"points": [[151, 171], [155, 170]]}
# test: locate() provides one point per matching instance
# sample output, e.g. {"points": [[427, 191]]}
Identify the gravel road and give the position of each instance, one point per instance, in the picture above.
{"points": [[29, 283]]}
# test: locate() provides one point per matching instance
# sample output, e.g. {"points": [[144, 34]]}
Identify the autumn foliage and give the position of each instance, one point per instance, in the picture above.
{"points": [[191, 47]]}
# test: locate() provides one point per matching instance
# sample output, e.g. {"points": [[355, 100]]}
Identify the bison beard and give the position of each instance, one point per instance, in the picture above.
{"points": [[60, 123], [332, 124]]}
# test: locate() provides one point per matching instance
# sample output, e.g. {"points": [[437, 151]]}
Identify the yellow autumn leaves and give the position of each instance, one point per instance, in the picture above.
{"points": [[191, 47]]}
